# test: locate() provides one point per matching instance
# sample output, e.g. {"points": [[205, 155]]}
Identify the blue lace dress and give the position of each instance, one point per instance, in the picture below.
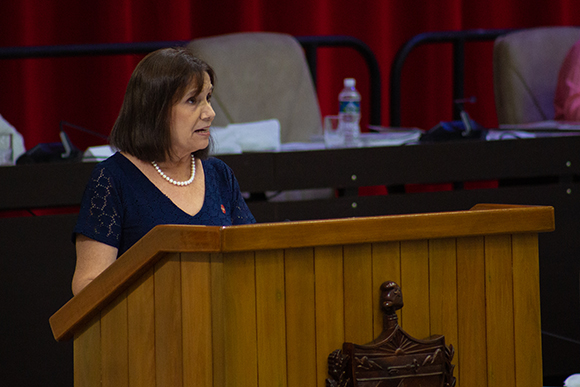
{"points": [[120, 205]]}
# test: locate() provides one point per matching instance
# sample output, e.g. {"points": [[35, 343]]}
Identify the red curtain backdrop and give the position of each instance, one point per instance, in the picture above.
{"points": [[35, 95]]}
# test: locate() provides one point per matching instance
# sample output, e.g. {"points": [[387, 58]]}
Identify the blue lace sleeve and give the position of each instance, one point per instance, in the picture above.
{"points": [[101, 209]]}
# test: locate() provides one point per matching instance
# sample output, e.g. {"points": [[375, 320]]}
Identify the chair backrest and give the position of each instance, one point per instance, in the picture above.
{"points": [[526, 64], [262, 76]]}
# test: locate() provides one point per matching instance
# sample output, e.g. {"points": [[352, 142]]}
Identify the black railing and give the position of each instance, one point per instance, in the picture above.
{"points": [[312, 43], [309, 43], [458, 39]]}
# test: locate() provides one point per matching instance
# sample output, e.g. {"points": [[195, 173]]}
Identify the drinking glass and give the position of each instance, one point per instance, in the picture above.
{"points": [[333, 137]]}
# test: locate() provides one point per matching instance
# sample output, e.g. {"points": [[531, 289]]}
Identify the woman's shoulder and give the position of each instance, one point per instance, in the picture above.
{"points": [[114, 164], [216, 164], [218, 172], [116, 167]]}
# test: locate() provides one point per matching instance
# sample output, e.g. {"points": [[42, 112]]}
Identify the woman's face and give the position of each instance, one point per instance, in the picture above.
{"points": [[191, 118]]}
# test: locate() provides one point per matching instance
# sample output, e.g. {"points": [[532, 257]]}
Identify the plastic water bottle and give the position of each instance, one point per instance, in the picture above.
{"points": [[349, 112]]}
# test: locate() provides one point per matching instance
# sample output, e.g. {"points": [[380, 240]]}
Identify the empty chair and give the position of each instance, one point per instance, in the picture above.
{"points": [[526, 64], [262, 76]]}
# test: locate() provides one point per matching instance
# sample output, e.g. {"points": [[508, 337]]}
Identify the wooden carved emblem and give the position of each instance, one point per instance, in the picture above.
{"points": [[394, 358]]}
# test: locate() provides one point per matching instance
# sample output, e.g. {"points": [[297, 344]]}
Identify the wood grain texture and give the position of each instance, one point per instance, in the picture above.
{"points": [[141, 331], [358, 293], [180, 238], [87, 355], [328, 277], [528, 338], [114, 344], [168, 322], [127, 269], [471, 348], [388, 228], [443, 291], [241, 352], [271, 318], [218, 319], [415, 287], [300, 317], [197, 319], [499, 311]]}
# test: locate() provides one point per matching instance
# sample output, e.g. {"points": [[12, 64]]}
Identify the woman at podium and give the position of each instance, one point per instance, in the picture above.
{"points": [[161, 173]]}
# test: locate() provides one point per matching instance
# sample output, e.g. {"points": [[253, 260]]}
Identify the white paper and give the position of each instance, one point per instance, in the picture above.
{"points": [[17, 139], [259, 136], [98, 153]]}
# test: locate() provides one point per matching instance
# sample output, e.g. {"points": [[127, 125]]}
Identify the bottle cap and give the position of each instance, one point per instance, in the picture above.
{"points": [[349, 82]]}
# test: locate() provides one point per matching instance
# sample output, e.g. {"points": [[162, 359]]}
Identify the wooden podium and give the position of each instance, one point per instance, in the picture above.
{"points": [[265, 304]]}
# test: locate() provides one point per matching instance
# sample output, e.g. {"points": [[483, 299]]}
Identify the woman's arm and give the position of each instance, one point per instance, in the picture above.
{"points": [[92, 258]]}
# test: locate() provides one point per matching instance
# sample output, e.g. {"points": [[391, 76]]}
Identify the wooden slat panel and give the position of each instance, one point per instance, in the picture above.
{"points": [[443, 290], [241, 357], [358, 294], [329, 306], [218, 319], [415, 287], [168, 327], [271, 318], [196, 311], [114, 344], [183, 238], [528, 335], [386, 267], [300, 317], [471, 349], [129, 268], [499, 311], [141, 331], [87, 355], [422, 275]]}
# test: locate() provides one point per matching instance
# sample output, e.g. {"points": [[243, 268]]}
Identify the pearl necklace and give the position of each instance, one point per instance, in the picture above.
{"points": [[179, 183]]}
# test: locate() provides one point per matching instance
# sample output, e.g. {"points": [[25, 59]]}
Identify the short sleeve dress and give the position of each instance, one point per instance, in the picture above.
{"points": [[120, 204]]}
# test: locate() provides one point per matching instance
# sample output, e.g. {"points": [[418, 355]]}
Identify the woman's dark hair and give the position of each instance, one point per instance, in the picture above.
{"points": [[160, 80]]}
